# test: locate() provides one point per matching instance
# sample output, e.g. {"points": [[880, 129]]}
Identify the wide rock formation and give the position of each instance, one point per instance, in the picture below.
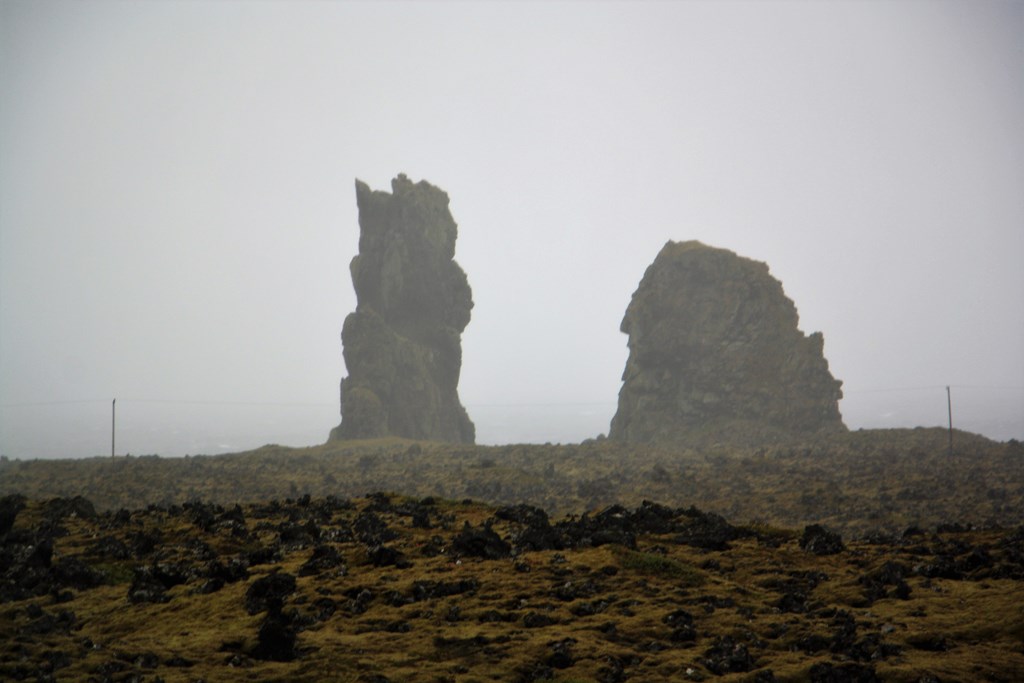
{"points": [[715, 355], [402, 345]]}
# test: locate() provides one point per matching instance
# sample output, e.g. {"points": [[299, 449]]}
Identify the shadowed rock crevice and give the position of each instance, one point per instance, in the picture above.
{"points": [[715, 354], [402, 345]]}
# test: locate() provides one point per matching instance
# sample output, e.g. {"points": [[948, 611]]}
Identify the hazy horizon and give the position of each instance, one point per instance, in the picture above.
{"points": [[177, 210]]}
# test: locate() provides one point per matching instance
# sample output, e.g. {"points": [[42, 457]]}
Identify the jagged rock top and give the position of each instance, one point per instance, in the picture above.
{"points": [[716, 354], [405, 269]]}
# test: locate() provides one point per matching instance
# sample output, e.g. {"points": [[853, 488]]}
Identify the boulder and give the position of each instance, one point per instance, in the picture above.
{"points": [[821, 541], [402, 345], [715, 355], [268, 593]]}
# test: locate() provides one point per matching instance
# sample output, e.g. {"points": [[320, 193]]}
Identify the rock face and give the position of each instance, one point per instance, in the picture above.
{"points": [[402, 345], [715, 355]]}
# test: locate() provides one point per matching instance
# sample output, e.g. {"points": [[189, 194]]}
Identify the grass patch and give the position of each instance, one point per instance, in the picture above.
{"points": [[651, 564], [115, 573], [766, 531]]}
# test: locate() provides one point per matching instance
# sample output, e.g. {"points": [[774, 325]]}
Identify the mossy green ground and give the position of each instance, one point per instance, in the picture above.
{"points": [[483, 634]]}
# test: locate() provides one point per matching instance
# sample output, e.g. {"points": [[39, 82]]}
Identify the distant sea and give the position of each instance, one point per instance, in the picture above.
{"points": [[83, 429]]}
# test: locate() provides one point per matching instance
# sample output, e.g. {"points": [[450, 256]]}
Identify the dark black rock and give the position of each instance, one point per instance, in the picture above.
{"points": [[536, 532], [359, 600], [177, 661], [59, 508], [929, 642], [150, 582], [74, 573], [10, 506], [813, 643], [492, 616], [386, 556], [276, 640], [561, 656], [524, 514], [324, 558], [35, 556], [293, 535], [613, 525], [143, 543], [943, 567], [588, 608], [141, 660], [683, 634], [268, 592], [397, 599], [652, 518], [614, 670], [482, 542], [371, 530], [109, 547], [823, 672], [430, 590], [821, 541], [210, 586], [889, 574], [534, 620], [46, 623], [235, 570], [325, 608], [709, 531], [202, 515], [727, 656], [460, 647], [263, 555], [373, 678], [677, 618]]}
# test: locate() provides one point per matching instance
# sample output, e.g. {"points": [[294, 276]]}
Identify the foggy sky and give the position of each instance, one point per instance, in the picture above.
{"points": [[177, 210]]}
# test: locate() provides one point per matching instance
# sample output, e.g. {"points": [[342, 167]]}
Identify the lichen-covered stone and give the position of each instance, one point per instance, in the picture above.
{"points": [[715, 354], [402, 345]]}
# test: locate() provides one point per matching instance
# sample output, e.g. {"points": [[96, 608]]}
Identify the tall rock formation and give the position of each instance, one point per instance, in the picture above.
{"points": [[715, 355], [402, 345]]}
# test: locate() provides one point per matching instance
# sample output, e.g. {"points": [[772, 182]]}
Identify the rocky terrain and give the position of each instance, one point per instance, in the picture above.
{"points": [[869, 556], [857, 482], [715, 354], [389, 588], [402, 345]]}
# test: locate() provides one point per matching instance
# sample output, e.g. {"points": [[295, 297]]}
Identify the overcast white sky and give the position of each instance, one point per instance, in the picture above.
{"points": [[177, 210]]}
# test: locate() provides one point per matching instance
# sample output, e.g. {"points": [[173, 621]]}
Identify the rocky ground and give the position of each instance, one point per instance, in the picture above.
{"points": [[857, 483], [390, 588]]}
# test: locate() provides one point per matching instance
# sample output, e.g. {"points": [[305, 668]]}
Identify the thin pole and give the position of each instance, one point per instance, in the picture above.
{"points": [[113, 421], [949, 406]]}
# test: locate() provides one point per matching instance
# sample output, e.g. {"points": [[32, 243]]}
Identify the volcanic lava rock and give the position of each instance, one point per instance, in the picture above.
{"points": [[482, 542], [324, 558], [825, 672], [727, 656], [715, 354], [276, 639], [268, 592], [708, 530], [402, 345], [150, 582], [821, 541], [10, 506]]}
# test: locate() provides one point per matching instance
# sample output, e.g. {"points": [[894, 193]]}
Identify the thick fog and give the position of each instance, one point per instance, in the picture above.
{"points": [[177, 210]]}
